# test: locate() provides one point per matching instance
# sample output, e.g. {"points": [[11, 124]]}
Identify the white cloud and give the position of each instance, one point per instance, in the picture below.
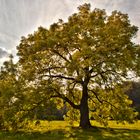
{"points": [[3, 53]]}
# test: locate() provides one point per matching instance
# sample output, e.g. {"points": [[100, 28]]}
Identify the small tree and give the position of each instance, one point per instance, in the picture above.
{"points": [[8, 93], [84, 62]]}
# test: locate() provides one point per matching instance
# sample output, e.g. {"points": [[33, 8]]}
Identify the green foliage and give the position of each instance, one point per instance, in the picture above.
{"points": [[20, 102], [89, 55], [9, 91], [82, 62], [72, 116], [112, 105]]}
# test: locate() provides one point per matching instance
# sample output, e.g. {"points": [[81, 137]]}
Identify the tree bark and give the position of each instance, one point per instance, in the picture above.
{"points": [[84, 110]]}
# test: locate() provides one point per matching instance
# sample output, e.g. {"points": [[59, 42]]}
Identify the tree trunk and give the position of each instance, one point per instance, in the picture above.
{"points": [[84, 110]]}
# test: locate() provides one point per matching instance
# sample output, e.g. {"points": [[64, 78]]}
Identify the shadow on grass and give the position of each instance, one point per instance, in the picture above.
{"points": [[74, 134]]}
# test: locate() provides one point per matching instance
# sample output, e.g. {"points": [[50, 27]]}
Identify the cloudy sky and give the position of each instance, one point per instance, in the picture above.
{"points": [[21, 17]]}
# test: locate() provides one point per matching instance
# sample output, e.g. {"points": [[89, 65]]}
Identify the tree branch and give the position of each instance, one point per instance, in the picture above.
{"points": [[63, 77], [102, 72], [65, 99], [101, 101], [56, 52]]}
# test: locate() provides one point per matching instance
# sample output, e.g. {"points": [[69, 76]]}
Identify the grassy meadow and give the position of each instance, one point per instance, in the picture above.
{"points": [[62, 130]]}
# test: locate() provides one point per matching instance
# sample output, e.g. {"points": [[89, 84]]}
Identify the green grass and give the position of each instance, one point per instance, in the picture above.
{"points": [[61, 130]]}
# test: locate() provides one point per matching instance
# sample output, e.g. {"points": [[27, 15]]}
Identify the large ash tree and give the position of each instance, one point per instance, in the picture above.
{"points": [[84, 62]]}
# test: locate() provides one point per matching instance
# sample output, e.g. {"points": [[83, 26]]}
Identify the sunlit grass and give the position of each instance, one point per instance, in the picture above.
{"points": [[62, 130], [114, 124]]}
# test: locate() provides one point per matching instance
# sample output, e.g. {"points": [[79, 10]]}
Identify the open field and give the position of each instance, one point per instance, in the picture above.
{"points": [[61, 130]]}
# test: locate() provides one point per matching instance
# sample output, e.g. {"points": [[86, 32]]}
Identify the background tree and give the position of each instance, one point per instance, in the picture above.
{"points": [[9, 105], [20, 102], [134, 94], [83, 61]]}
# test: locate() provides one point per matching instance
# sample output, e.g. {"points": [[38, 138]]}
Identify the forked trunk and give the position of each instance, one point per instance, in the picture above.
{"points": [[84, 110]]}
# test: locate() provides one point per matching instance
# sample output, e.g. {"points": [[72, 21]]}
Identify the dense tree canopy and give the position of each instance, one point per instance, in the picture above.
{"points": [[84, 62], [19, 102]]}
